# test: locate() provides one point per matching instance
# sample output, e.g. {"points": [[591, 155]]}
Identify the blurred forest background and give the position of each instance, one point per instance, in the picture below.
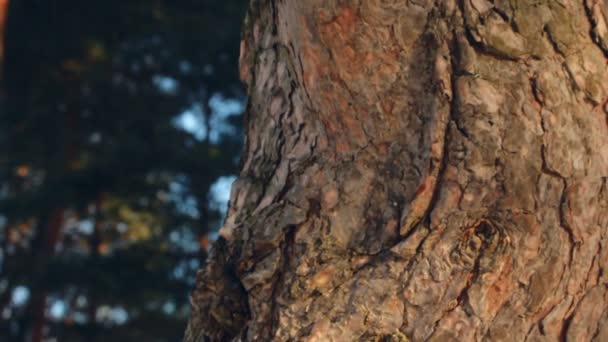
{"points": [[119, 135]]}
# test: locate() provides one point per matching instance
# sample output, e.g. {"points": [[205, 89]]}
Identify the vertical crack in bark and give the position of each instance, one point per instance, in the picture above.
{"points": [[531, 330], [600, 271], [546, 169], [553, 42], [591, 265], [480, 46], [562, 203], [437, 164], [303, 81], [597, 330], [593, 32], [454, 51], [287, 250], [567, 68], [540, 320], [563, 334], [274, 11]]}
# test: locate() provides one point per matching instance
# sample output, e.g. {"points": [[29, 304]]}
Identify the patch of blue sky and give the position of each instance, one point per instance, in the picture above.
{"points": [[86, 226], [192, 120], [169, 308], [112, 315], [165, 84], [120, 315], [57, 309], [184, 239], [180, 194], [185, 67], [20, 295], [220, 193], [179, 272], [225, 107]]}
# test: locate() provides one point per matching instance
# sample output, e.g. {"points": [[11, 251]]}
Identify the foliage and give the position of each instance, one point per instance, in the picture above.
{"points": [[117, 117]]}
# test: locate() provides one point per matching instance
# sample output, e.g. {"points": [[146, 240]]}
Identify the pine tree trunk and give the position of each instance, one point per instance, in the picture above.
{"points": [[3, 13], [417, 170]]}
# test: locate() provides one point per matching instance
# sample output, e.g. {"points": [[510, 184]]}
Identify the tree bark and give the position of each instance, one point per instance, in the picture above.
{"points": [[417, 170], [3, 13]]}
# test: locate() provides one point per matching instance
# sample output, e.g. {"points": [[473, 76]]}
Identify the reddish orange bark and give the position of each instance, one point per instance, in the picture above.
{"points": [[3, 10], [417, 171]]}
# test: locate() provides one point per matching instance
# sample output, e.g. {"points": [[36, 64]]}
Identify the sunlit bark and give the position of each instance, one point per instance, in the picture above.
{"points": [[422, 170]]}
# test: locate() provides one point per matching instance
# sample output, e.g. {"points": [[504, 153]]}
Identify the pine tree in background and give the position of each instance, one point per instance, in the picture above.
{"points": [[118, 117]]}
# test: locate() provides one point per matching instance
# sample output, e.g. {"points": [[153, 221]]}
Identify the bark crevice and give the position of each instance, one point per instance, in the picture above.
{"points": [[596, 15]]}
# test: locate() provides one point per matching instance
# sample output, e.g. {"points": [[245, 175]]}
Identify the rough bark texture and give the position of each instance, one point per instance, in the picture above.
{"points": [[417, 170]]}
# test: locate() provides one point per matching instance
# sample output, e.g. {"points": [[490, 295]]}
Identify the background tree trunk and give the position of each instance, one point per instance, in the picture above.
{"points": [[422, 170], [3, 13]]}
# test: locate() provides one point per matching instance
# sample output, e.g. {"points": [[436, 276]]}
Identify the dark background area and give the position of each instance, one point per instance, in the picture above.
{"points": [[119, 137]]}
